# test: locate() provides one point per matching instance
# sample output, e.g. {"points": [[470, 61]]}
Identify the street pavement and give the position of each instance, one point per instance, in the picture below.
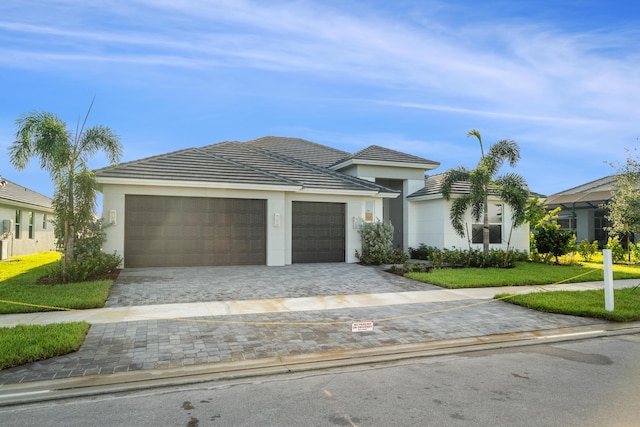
{"points": [[171, 318]]}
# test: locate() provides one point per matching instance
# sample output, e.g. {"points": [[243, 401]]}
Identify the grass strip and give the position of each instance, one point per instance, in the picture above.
{"points": [[18, 283], [523, 274], [582, 303], [30, 343]]}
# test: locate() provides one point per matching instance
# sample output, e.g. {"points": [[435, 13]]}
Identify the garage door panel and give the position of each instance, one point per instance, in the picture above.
{"points": [[318, 232], [190, 231]]}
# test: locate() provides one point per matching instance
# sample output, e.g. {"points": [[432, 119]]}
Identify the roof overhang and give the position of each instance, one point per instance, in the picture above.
{"points": [[372, 193], [24, 205], [196, 184], [406, 165]]}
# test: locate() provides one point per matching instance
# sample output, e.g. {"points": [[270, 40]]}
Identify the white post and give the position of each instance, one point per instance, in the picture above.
{"points": [[608, 279]]}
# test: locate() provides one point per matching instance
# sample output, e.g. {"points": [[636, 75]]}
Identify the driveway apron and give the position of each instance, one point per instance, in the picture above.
{"points": [[163, 343]]}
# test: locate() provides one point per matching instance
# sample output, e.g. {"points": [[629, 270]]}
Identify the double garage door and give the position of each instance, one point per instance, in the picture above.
{"points": [[166, 231]]}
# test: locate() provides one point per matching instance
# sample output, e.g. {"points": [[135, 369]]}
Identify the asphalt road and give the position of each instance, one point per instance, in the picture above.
{"points": [[593, 382]]}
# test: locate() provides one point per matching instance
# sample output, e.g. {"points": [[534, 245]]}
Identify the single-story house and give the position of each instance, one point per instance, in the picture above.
{"points": [[25, 221], [583, 209], [275, 201]]}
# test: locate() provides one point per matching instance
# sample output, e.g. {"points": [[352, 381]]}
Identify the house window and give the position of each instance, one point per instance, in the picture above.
{"points": [[567, 223], [495, 226], [44, 221], [18, 217], [369, 206], [31, 225]]}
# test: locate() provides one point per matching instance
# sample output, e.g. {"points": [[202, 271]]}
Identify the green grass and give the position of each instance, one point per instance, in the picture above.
{"points": [[25, 344], [19, 292], [524, 273], [582, 303]]}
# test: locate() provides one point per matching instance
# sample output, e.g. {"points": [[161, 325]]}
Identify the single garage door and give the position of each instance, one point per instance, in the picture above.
{"points": [[318, 232], [164, 231]]}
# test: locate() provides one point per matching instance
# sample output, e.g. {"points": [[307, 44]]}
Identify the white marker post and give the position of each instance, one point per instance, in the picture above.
{"points": [[608, 279]]}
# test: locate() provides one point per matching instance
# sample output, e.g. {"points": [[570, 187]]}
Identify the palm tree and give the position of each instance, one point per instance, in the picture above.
{"points": [[64, 155], [510, 188]]}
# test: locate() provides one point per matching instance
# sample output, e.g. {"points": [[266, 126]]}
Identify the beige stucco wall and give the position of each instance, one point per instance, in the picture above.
{"points": [[43, 238], [430, 220], [279, 203]]}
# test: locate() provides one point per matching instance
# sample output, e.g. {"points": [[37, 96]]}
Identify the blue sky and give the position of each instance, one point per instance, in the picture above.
{"points": [[560, 78]]}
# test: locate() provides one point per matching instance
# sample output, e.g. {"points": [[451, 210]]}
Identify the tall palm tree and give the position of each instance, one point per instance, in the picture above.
{"points": [[64, 154], [510, 188]]}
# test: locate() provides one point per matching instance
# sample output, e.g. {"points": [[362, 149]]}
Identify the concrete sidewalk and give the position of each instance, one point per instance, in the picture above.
{"points": [[284, 305], [126, 337]]}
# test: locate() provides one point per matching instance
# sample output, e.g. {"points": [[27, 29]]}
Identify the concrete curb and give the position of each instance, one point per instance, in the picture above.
{"points": [[40, 391]]}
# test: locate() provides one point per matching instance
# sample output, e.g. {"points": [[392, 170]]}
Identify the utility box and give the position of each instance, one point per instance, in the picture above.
{"points": [[4, 249], [6, 226]]}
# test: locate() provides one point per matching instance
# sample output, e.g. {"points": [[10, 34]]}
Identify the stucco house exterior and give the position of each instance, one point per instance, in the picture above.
{"points": [[25, 221], [274, 201], [583, 209]]}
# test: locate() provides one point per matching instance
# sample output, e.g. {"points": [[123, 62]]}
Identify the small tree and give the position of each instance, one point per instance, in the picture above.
{"points": [[587, 250], [511, 188], [624, 206], [547, 239], [64, 154], [552, 241]]}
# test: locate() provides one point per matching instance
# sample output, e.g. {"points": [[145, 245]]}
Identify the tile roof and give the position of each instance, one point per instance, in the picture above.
{"points": [[241, 163], [300, 149], [590, 194], [15, 193], [191, 164], [382, 154], [433, 183]]}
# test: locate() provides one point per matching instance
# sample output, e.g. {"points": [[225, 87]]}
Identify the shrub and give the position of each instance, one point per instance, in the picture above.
{"points": [[398, 256], [617, 251], [552, 241], [635, 251], [587, 250], [415, 267], [440, 258], [377, 243], [89, 261], [423, 252], [84, 268]]}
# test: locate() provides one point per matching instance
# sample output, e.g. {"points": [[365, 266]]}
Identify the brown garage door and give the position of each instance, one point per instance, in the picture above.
{"points": [[318, 232], [163, 231]]}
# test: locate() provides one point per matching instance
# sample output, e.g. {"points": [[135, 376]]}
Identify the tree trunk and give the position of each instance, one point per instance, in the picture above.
{"points": [[485, 226]]}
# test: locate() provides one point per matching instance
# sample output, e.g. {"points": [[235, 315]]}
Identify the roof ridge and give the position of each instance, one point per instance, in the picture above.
{"points": [[236, 163], [331, 172], [300, 139], [583, 185]]}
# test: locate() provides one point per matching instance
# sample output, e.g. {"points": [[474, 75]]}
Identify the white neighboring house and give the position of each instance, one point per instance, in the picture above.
{"points": [[274, 201], [25, 221]]}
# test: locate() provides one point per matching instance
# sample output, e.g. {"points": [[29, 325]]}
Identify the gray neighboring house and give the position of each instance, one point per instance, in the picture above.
{"points": [[583, 210], [25, 221], [273, 201]]}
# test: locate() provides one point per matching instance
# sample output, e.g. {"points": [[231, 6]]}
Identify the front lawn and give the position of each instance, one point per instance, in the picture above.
{"points": [[582, 303], [25, 344], [524, 273], [18, 277], [20, 293]]}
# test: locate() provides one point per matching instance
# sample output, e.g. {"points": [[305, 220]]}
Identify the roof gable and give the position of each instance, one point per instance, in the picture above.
{"points": [[376, 155]]}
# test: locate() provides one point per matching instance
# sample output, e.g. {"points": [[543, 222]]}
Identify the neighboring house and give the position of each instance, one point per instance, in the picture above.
{"points": [[273, 201], [25, 221], [583, 210]]}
